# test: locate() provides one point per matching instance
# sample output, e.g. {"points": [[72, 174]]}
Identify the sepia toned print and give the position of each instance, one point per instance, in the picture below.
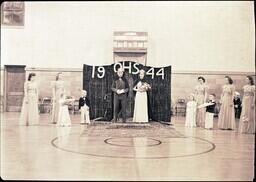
{"points": [[127, 91]]}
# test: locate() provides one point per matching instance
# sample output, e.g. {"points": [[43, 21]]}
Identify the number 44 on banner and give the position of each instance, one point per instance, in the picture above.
{"points": [[158, 73]]}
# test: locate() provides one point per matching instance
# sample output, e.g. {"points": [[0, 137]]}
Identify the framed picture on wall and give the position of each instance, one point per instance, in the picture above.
{"points": [[12, 13]]}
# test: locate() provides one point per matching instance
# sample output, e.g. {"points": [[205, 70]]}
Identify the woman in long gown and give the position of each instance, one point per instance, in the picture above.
{"points": [[227, 112], [29, 111], [200, 97], [141, 87], [247, 119], [58, 88]]}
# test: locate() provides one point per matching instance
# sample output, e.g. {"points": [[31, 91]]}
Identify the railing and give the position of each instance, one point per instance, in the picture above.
{"points": [[45, 105]]}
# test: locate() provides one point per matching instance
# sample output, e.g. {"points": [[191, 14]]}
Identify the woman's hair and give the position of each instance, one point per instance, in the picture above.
{"points": [[63, 93], [31, 75], [192, 95], [230, 81], [142, 70], [213, 95], [251, 80], [202, 78], [57, 76]]}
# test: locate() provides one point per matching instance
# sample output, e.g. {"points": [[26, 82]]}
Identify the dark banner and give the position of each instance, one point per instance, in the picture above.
{"points": [[97, 81]]}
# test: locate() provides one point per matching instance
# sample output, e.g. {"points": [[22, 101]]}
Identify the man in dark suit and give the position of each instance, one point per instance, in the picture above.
{"points": [[120, 87]]}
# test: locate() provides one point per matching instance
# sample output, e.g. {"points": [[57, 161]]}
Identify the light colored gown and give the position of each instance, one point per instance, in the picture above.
{"points": [[227, 112], [29, 111], [63, 115], [58, 87], [247, 119], [200, 91], [141, 106], [191, 114]]}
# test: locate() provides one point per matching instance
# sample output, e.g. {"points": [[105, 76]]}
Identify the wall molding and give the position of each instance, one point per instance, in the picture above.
{"points": [[173, 71], [54, 69], [213, 73]]}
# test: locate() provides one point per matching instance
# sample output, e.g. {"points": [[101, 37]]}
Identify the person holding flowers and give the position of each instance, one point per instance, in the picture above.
{"points": [[141, 87]]}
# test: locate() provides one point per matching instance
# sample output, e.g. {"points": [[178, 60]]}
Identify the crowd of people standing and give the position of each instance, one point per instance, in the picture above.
{"points": [[199, 112], [201, 104]]}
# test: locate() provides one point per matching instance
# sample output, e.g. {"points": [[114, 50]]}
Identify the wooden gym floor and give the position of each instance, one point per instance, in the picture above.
{"points": [[107, 151]]}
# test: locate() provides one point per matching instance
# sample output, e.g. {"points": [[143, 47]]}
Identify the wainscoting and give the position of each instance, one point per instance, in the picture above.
{"points": [[182, 82]]}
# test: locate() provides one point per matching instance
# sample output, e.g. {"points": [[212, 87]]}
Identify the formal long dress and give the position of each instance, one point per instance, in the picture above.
{"points": [[63, 115], [227, 112], [140, 113], [29, 111], [247, 119], [191, 114], [200, 91], [58, 88]]}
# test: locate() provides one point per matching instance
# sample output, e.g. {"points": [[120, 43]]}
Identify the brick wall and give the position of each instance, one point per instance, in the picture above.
{"points": [[2, 89], [182, 83], [72, 77]]}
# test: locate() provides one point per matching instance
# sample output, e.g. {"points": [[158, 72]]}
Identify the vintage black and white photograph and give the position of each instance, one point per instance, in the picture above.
{"points": [[128, 90]]}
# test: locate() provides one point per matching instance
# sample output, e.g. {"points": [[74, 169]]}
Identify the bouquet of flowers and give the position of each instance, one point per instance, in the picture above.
{"points": [[205, 105], [144, 87], [67, 101]]}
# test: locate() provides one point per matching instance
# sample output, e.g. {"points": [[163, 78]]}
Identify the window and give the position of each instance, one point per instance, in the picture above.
{"points": [[12, 13]]}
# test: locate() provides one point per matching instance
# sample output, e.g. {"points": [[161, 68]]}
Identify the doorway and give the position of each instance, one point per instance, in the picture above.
{"points": [[14, 87]]}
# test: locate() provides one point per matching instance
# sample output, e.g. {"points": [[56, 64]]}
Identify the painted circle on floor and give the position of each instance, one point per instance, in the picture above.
{"points": [[133, 147], [132, 142]]}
